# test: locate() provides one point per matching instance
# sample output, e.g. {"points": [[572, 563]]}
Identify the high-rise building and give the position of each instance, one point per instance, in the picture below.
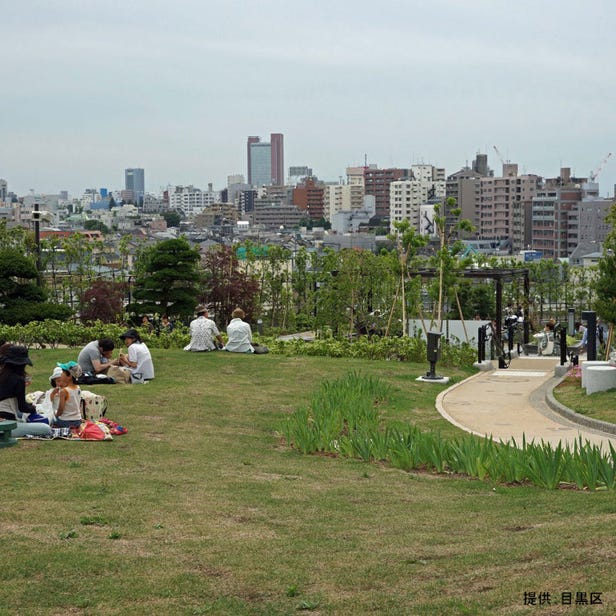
{"points": [[277, 143], [134, 180], [266, 161], [3, 190]]}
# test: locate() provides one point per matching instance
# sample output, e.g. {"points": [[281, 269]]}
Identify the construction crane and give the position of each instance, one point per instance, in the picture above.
{"points": [[593, 174], [503, 162]]}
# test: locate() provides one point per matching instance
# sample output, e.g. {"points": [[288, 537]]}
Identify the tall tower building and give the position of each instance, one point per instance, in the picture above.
{"points": [[134, 180], [277, 142], [265, 161]]}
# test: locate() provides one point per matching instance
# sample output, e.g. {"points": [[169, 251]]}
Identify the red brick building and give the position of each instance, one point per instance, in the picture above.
{"points": [[309, 196]]}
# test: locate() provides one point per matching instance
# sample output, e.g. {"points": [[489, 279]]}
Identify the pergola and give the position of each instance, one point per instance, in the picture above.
{"points": [[500, 275]]}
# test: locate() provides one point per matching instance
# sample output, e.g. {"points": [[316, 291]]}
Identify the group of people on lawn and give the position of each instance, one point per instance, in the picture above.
{"points": [[96, 358]]}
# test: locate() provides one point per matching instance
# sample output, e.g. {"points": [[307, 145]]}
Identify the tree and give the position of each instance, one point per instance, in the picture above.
{"points": [[408, 242], [167, 279], [103, 301], [605, 283], [96, 225], [226, 286], [448, 225], [21, 298], [172, 219]]}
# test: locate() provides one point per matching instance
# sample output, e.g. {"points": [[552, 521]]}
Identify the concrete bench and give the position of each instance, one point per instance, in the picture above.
{"points": [[600, 378], [589, 364], [6, 426]]}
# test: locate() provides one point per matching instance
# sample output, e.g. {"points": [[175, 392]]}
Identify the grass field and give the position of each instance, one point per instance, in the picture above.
{"points": [[600, 405], [202, 509]]}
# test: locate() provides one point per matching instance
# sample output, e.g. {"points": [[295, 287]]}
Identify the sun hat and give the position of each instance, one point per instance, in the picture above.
{"points": [[72, 367], [200, 309], [57, 372], [130, 333], [17, 356]]}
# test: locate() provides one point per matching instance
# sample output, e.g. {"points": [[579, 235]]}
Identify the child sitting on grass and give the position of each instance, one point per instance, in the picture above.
{"points": [[68, 394]]}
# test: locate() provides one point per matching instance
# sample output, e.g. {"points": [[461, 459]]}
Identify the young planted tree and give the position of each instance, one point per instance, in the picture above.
{"points": [[167, 280], [605, 283], [407, 244], [448, 259]]}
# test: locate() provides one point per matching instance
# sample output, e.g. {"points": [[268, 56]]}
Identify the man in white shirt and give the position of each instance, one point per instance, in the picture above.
{"points": [[203, 333], [239, 334]]}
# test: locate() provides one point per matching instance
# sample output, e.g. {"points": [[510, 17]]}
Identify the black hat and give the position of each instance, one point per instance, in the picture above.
{"points": [[17, 355], [130, 333]]}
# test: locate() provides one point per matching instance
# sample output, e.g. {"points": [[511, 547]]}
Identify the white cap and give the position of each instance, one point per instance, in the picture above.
{"points": [[57, 371]]}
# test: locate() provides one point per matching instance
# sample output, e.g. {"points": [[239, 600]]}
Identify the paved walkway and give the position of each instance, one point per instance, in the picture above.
{"points": [[512, 402]]}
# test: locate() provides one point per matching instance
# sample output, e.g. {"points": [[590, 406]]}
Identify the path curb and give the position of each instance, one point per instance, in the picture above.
{"points": [[571, 415]]}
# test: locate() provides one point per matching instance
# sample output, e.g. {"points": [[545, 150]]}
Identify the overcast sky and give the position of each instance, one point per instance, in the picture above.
{"points": [[90, 87]]}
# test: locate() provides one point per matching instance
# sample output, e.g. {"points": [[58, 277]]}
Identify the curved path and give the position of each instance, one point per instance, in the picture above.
{"points": [[510, 403]]}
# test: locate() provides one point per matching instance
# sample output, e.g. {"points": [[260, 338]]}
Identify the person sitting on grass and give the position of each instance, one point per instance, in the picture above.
{"points": [[13, 404], [204, 335], [96, 356], [239, 335], [67, 396], [138, 360]]}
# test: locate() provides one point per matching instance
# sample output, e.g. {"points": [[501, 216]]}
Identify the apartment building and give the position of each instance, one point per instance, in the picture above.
{"points": [[465, 187], [191, 200], [309, 196], [377, 182], [342, 198], [424, 184], [505, 207]]}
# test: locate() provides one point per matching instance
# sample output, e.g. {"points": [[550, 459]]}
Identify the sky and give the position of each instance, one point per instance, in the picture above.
{"points": [[91, 87]]}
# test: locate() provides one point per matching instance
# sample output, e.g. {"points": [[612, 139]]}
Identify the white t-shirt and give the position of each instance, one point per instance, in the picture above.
{"points": [[138, 352]]}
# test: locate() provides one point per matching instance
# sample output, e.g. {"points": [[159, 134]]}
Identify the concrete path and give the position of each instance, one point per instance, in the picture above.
{"points": [[510, 403]]}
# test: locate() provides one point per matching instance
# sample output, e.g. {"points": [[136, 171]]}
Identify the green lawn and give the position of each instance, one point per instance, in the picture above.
{"points": [[202, 509], [600, 405]]}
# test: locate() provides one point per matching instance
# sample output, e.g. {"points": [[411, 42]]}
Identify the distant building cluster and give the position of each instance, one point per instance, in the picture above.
{"points": [[557, 218]]}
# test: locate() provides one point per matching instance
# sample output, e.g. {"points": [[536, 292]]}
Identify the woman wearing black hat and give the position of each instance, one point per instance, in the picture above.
{"points": [[13, 392]]}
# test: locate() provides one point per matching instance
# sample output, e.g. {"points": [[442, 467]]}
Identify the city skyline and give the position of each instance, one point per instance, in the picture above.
{"points": [[98, 87]]}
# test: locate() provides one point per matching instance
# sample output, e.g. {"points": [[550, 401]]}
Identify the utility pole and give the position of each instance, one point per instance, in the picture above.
{"points": [[36, 216]]}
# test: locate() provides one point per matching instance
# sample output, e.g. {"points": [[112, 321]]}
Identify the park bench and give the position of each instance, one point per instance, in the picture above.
{"points": [[6, 427]]}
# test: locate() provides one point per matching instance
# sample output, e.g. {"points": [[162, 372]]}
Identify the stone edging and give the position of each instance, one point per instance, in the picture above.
{"points": [[564, 411]]}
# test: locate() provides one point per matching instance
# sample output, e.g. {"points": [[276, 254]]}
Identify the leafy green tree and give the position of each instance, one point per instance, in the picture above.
{"points": [[21, 298], [96, 225], [353, 286], [605, 284], [407, 244], [172, 219], [448, 259], [167, 279]]}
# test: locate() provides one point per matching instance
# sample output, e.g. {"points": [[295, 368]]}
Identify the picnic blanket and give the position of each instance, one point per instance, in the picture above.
{"points": [[101, 430]]}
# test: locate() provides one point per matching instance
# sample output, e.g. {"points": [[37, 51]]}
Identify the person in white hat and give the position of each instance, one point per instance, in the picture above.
{"points": [[204, 335]]}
